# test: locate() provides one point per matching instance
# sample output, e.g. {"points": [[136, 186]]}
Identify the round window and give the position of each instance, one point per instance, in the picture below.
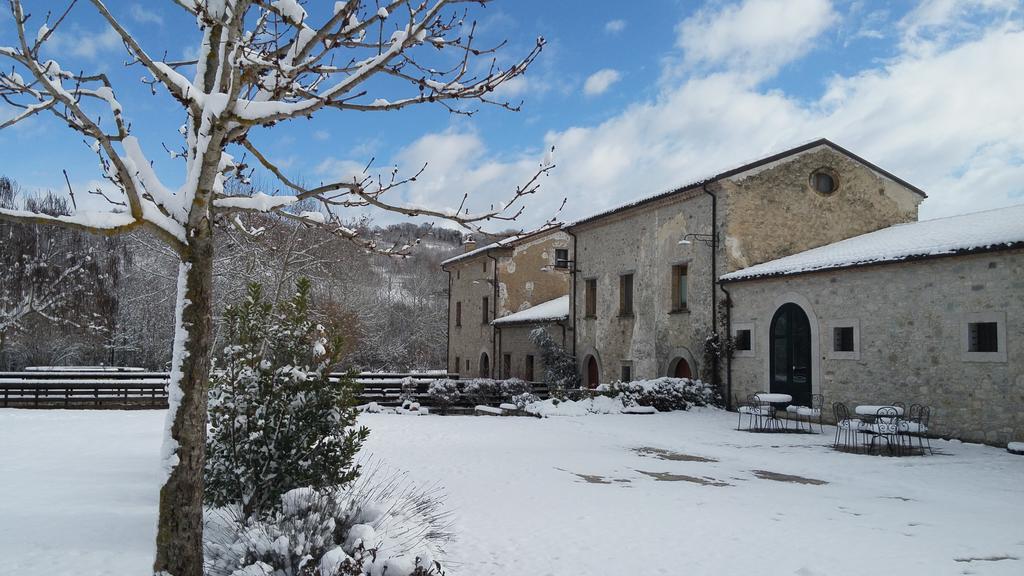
{"points": [[823, 182]]}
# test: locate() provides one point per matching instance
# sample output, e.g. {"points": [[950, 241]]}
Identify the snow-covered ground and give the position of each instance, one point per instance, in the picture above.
{"points": [[679, 493]]}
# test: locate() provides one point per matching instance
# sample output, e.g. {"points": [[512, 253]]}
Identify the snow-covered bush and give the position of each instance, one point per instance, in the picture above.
{"points": [[664, 394], [514, 387], [444, 393], [482, 391], [276, 421], [523, 400], [377, 527], [408, 389], [559, 366]]}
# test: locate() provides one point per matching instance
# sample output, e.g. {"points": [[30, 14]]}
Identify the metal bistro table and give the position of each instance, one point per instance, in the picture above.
{"points": [[772, 422]]}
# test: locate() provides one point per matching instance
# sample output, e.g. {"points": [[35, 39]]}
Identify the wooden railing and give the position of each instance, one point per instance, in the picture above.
{"points": [[141, 390]]}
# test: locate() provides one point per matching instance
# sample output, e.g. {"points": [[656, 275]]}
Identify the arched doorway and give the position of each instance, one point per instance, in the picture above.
{"points": [[790, 355], [485, 366], [682, 369], [593, 372]]}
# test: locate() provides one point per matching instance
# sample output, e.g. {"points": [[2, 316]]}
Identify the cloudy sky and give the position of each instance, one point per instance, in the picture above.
{"points": [[636, 98]]}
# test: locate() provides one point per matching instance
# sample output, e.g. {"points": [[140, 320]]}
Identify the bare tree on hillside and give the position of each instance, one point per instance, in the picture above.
{"points": [[260, 63]]}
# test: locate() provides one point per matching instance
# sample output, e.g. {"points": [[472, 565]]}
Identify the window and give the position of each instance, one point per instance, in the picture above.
{"points": [[842, 339], [590, 298], [561, 258], [458, 274], [823, 181], [983, 337], [627, 373], [626, 295], [467, 364], [679, 287], [486, 314], [484, 266], [742, 341], [529, 368], [458, 363], [458, 314], [506, 366]]}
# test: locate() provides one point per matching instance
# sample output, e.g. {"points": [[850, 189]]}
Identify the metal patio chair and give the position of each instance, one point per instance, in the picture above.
{"points": [[916, 426], [847, 429], [755, 410], [812, 413]]}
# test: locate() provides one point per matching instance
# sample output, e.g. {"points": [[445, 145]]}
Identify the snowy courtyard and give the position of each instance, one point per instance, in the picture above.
{"points": [[678, 493]]}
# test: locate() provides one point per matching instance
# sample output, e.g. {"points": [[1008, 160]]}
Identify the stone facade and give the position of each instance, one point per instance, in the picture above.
{"points": [[911, 321], [515, 341], [512, 277], [763, 211]]}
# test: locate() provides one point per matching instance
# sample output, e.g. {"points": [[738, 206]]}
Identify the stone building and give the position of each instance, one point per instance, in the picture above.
{"points": [[929, 312], [644, 296], [497, 281]]}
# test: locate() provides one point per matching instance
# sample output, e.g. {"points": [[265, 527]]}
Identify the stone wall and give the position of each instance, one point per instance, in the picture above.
{"points": [[514, 340], [911, 319], [644, 241], [524, 277], [773, 211]]}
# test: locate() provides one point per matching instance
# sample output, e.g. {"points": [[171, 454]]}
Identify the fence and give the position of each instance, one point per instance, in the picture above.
{"points": [[89, 388], [128, 389]]}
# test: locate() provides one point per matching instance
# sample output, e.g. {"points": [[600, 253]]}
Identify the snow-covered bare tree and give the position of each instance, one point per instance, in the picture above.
{"points": [[260, 63]]}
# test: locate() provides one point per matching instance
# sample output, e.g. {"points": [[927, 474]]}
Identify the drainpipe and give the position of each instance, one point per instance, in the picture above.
{"points": [[448, 327], [728, 359], [714, 272], [572, 292], [494, 315]]}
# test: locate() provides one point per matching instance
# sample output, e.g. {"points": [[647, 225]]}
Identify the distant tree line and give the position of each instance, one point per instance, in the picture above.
{"points": [[71, 298]]}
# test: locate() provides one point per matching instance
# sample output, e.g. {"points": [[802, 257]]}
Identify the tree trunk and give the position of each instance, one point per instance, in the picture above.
{"points": [[179, 541]]}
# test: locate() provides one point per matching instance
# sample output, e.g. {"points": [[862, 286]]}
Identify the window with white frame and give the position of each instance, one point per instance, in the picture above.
{"points": [[743, 339], [983, 337], [843, 339]]}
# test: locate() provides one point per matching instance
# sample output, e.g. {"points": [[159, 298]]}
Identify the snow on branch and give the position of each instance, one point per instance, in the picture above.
{"points": [[261, 62]]}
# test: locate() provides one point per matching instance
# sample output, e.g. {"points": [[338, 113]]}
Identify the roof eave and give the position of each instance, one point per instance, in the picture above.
{"points": [[910, 258]]}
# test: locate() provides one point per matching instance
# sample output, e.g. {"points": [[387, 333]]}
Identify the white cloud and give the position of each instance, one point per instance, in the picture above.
{"points": [[144, 15], [321, 135], [83, 44], [947, 121], [599, 82], [757, 36], [614, 26]]}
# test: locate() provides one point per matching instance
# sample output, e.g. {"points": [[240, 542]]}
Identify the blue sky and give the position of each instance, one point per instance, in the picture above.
{"points": [[635, 98]]}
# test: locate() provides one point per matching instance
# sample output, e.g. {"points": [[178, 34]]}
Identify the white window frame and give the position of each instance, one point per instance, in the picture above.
{"points": [[736, 327], [965, 337], [832, 353]]}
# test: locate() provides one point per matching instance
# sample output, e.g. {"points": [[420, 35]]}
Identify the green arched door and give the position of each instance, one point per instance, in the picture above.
{"points": [[791, 354]]}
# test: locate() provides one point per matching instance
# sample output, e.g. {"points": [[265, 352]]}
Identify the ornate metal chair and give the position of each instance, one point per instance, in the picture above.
{"points": [[812, 413], [916, 425], [886, 427], [756, 412], [847, 429]]}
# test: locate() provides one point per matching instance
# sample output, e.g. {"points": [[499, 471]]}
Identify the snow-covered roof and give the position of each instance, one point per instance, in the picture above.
{"points": [[503, 243], [550, 311], [990, 229], [744, 170]]}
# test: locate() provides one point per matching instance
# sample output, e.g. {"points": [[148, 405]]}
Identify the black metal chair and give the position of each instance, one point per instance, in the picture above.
{"points": [[916, 425], [847, 429], [886, 427], [812, 413], [755, 411]]}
